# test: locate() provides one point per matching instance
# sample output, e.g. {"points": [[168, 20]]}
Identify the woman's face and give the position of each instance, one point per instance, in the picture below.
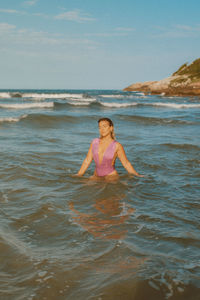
{"points": [[105, 129]]}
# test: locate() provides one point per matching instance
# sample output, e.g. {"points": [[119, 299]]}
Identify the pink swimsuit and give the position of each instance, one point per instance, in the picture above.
{"points": [[106, 166]]}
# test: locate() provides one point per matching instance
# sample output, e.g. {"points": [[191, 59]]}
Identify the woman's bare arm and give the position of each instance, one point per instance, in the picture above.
{"points": [[125, 162], [87, 161]]}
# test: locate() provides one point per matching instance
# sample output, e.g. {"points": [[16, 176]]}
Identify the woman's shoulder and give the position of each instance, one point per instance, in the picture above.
{"points": [[118, 145], [95, 141]]}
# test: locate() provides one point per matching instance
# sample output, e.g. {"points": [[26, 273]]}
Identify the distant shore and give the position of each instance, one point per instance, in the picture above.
{"points": [[184, 82]]}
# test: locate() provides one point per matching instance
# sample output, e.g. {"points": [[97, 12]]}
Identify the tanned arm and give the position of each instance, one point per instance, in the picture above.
{"points": [[87, 161], [125, 162]]}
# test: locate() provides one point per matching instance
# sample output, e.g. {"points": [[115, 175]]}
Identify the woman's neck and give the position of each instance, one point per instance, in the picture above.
{"points": [[107, 138]]}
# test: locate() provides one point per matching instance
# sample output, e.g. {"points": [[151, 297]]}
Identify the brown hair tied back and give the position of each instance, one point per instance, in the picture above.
{"points": [[110, 123]]}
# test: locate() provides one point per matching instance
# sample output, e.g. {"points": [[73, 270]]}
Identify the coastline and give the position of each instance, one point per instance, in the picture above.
{"points": [[184, 82]]}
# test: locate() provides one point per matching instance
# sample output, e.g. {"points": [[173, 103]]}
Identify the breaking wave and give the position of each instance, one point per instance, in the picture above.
{"points": [[118, 105], [127, 104], [52, 96], [124, 96], [159, 104], [27, 105], [81, 103], [174, 105], [45, 120], [11, 119], [92, 101], [113, 96], [5, 95], [43, 96], [154, 120]]}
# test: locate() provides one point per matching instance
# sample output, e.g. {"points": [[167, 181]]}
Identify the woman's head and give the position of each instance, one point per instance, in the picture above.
{"points": [[106, 127]]}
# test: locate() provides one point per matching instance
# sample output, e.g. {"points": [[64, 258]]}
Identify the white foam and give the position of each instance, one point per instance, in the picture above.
{"points": [[11, 119], [174, 105], [112, 96], [79, 103], [27, 105], [140, 93], [119, 105], [84, 99], [51, 96], [5, 95]]}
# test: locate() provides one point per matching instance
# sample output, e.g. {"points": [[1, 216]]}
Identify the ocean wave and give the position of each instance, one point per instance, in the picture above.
{"points": [[140, 93], [93, 102], [65, 105], [11, 95], [112, 96], [62, 105], [181, 146], [159, 104], [52, 95], [131, 104], [11, 241], [16, 95], [118, 105], [81, 103], [44, 120], [153, 120], [5, 95], [27, 105], [85, 99], [97, 104], [135, 95], [43, 96], [11, 119], [174, 105]]}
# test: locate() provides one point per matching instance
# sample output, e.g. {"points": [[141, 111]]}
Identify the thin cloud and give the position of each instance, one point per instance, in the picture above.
{"points": [[75, 16], [120, 31], [125, 29], [188, 28], [41, 15], [178, 31], [11, 11], [30, 3], [5, 27], [107, 34], [11, 36], [184, 27]]}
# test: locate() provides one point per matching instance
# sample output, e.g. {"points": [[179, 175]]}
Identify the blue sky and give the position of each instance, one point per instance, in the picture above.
{"points": [[95, 44]]}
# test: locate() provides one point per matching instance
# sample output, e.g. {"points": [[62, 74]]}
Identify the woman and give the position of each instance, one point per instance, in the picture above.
{"points": [[104, 151]]}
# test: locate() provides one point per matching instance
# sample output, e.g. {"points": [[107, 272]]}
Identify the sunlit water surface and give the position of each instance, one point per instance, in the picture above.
{"points": [[63, 237]]}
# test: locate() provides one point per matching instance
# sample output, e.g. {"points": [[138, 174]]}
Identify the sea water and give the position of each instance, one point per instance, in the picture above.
{"points": [[64, 237]]}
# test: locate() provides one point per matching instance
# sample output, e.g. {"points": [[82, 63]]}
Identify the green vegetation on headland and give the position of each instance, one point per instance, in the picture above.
{"points": [[185, 81], [191, 71]]}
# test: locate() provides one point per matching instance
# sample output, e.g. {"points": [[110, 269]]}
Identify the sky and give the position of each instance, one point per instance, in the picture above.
{"points": [[95, 44]]}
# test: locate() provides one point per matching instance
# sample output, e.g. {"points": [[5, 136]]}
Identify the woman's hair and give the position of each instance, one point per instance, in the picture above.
{"points": [[110, 123]]}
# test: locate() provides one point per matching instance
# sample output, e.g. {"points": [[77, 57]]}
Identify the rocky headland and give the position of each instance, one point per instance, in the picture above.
{"points": [[185, 81]]}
